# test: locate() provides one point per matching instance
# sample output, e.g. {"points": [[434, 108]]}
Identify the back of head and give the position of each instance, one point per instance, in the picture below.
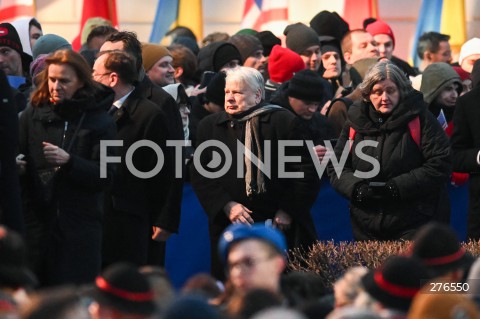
{"points": [[268, 40], [279, 313], [49, 43], [187, 42], [299, 37], [216, 89], [58, 303], [13, 262], [329, 23], [123, 288], [101, 31], [442, 306], [181, 31], [438, 247], [215, 37], [283, 63], [91, 24], [191, 307], [360, 68], [435, 78]]}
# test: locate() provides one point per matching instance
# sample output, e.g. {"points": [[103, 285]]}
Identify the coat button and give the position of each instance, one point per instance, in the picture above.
{"points": [[380, 120]]}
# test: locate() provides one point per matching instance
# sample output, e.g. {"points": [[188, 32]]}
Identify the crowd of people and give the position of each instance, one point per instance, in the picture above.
{"points": [[97, 145]]}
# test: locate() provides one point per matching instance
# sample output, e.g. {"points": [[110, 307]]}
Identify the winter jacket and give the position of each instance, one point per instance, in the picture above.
{"points": [[63, 213], [419, 173]]}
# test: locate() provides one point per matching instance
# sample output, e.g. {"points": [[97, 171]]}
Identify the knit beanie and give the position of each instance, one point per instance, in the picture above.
{"points": [[9, 37], [299, 37], [306, 85], [151, 53], [225, 53], [470, 47], [91, 24], [247, 31], [435, 78], [329, 23], [38, 65], [283, 63], [380, 27], [216, 89], [246, 44], [49, 43], [268, 40]]}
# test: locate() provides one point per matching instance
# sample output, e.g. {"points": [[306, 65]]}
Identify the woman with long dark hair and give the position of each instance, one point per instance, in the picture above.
{"points": [[60, 136]]}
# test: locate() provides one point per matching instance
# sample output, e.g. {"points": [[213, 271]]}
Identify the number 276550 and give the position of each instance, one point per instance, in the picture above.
{"points": [[449, 287]]}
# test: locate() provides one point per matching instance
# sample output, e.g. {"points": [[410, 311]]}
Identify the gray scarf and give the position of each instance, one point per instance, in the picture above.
{"points": [[255, 184]]}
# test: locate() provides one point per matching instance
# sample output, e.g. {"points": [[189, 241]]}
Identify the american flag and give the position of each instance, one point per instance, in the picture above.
{"points": [[264, 15], [13, 9]]}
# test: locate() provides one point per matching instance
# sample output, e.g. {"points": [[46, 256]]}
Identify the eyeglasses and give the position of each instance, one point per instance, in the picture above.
{"points": [[247, 263]]}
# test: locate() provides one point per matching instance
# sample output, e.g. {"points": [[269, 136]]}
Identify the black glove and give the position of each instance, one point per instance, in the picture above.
{"points": [[362, 193]]}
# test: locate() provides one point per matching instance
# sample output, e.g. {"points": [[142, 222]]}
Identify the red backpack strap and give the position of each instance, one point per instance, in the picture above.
{"points": [[414, 128], [351, 137]]}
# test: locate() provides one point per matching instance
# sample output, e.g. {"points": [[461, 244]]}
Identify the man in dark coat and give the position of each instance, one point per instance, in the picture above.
{"points": [[134, 206], [127, 41], [251, 194], [466, 153], [10, 208]]}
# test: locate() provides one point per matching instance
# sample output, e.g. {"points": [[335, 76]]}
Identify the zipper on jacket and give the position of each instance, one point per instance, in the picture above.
{"points": [[64, 134]]}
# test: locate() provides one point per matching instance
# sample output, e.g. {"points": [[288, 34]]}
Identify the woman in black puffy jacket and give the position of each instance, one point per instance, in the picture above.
{"points": [[397, 159], [60, 136]]}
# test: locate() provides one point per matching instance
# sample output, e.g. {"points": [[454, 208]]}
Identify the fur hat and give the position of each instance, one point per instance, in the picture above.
{"points": [[123, 287], [238, 232], [380, 27], [306, 85], [438, 247], [49, 43], [396, 282], [151, 53], [268, 40], [470, 47], [283, 63], [9, 38], [329, 23], [246, 44], [299, 37]]}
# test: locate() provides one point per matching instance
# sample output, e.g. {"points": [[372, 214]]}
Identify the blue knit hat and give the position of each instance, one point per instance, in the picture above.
{"points": [[237, 232]]}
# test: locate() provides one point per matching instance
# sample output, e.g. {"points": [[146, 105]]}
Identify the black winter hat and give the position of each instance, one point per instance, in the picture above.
{"points": [[216, 89], [306, 85], [268, 40], [123, 287], [299, 37], [329, 23], [13, 261], [438, 247], [225, 53], [396, 283], [246, 44], [9, 38]]}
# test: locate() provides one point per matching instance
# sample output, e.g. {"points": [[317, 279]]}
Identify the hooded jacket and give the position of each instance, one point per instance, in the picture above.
{"points": [[420, 174]]}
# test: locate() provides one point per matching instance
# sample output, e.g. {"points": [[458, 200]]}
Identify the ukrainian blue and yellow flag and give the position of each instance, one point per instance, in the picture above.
{"points": [[444, 16], [172, 13]]}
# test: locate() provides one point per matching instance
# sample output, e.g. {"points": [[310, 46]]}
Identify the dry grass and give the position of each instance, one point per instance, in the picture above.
{"points": [[330, 260]]}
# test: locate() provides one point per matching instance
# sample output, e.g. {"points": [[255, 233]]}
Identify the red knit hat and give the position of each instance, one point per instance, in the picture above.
{"points": [[380, 27], [283, 63]]}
